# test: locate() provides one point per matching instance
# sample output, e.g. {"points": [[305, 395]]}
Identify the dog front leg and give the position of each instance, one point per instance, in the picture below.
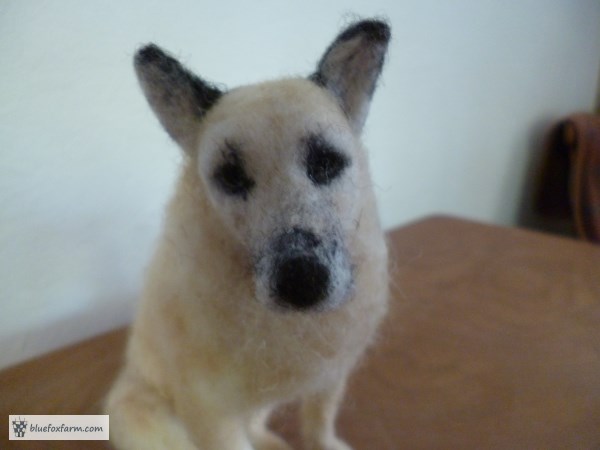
{"points": [[141, 419], [262, 438], [319, 411], [213, 428]]}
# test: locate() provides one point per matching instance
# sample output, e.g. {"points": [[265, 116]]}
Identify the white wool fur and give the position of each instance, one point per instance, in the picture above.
{"points": [[209, 356]]}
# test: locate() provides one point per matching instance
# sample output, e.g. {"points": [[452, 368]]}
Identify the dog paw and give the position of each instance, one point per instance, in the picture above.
{"points": [[268, 441], [337, 445], [332, 443]]}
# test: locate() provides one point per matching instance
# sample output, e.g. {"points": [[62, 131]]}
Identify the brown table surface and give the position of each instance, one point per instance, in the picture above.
{"points": [[492, 342]]}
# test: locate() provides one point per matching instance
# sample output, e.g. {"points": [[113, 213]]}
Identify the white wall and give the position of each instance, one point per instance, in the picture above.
{"points": [[85, 169]]}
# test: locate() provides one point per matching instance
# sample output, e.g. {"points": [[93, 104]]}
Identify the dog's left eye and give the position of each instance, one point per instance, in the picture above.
{"points": [[323, 162], [231, 176]]}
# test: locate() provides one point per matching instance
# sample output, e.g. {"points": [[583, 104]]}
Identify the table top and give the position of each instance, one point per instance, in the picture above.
{"points": [[492, 341]]}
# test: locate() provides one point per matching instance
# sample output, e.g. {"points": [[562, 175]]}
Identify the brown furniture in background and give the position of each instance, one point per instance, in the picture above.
{"points": [[492, 342], [569, 181]]}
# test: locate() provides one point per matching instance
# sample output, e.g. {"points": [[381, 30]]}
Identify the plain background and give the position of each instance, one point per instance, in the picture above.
{"points": [[456, 126]]}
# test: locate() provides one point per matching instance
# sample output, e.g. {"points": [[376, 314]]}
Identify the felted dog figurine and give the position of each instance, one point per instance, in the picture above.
{"points": [[271, 275]]}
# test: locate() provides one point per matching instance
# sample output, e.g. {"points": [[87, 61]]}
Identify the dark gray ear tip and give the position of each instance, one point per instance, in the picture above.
{"points": [[152, 57], [148, 54], [373, 29]]}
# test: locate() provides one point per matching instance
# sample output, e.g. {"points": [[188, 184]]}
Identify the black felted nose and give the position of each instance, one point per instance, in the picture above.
{"points": [[301, 282]]}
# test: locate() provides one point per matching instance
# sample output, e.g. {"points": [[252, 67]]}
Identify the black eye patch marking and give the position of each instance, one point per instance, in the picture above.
{"points": [[230, 175], [324, 162]]}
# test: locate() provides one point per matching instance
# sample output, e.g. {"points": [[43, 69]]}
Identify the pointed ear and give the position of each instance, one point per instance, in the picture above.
{"points": [[351, 66], [178, 97]]}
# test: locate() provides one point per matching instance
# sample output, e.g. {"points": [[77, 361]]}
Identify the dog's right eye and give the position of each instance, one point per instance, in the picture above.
{"points": [[231, 176]]}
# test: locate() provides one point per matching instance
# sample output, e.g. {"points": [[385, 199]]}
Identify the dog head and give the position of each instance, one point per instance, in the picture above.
{"points": [[281, 162]]}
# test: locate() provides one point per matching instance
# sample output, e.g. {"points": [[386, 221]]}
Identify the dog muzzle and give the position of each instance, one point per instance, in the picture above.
{"points": [[304, 272]]}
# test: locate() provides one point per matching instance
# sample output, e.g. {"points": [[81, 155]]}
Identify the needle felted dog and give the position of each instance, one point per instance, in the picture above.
{"points": [[271, 275]]}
